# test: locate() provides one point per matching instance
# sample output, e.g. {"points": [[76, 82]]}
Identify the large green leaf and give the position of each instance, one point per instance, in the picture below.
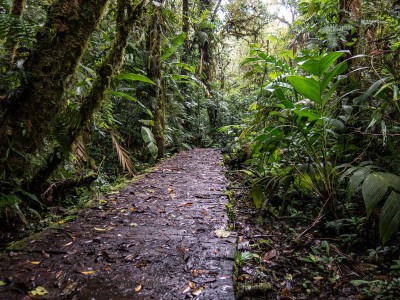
{"points": [[311, 66], [318, 67], [134, 77], [370, 91], [307, 87], [392, 180], [374, 188], [150, 141], [356, 179], [328, 60], [176, 42], [337, 70], [389, 219], [257, 195]]}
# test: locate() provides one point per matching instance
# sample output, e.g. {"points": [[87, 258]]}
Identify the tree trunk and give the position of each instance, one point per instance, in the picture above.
{"points": [[11, 44], [207, 72], [154, 73], [126, 16], [59, 48]]}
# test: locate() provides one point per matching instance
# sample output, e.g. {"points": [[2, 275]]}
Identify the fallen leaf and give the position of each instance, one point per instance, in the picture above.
{"points": [[186, 204], [151, 191], [192, 285], [87, 272], [197, 292], [39, 291], [2, 283], [318, 278], [269, 255], [133, 224], [186, 290], [138, 288], [103, 229], [67, 244], [35, 262], [221, 233], [170, 190]]}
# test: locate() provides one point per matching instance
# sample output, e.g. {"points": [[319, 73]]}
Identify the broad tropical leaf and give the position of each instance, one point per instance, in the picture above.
{"points": [[176, 42], [337, 70], [392, 180], [150, 141], [374, 188], [318, 67], [134, 77], [356, 179], [389, 219], [307, 87]]}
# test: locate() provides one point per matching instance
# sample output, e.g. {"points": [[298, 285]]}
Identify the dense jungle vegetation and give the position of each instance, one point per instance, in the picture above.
{"points": [[302, 95]]}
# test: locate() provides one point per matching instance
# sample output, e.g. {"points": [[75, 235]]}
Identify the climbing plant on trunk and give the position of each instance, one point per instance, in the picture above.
{"points": [[28, 117], [127, 13], [153, 68]]}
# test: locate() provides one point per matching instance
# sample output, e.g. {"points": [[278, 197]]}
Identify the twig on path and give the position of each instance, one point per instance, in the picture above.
{"points": [[317, 220]]}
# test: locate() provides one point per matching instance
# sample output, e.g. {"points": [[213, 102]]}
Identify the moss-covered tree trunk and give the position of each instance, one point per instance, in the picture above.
{"points": [[58, 51], [11, 44], [154, 73], [127, 14], [207, 59]]}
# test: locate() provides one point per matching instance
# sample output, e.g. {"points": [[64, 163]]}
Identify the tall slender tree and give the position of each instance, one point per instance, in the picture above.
{"points": [[27, 118], [153, 69]]}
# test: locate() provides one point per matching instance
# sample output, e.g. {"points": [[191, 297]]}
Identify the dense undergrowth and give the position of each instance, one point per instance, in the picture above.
{"points": [[295, 256]]}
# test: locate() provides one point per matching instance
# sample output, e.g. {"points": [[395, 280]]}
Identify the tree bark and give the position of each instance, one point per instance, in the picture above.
{"points": [[154, 73], [60, 44], [127, 14], [208, 70]]}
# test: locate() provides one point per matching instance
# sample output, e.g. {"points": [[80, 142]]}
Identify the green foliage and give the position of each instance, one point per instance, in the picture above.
{"points": [[175, 43], [148, 138], [134, 77]]}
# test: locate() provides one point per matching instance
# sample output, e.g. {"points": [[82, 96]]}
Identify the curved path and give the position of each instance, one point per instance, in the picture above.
{"points": [[159, 238]]}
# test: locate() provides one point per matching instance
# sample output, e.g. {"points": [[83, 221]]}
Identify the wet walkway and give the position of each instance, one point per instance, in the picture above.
{"points": [[163, 237]]}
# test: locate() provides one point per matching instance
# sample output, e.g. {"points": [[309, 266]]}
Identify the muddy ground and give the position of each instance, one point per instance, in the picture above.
{"points": [[163, 237]]}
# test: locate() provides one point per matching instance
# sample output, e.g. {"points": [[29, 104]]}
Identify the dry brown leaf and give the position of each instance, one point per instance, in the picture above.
{"points": [[87, 272], [186, 204], [103, 229], [170, 190], [269, 255], [138, 288], [35, 262]]}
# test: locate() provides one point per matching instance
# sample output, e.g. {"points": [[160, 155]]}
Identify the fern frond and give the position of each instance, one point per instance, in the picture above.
{"points": [[123, 156]]}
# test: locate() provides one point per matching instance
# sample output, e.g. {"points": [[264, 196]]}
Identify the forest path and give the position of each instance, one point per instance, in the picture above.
{"points": [[156, 239]]}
